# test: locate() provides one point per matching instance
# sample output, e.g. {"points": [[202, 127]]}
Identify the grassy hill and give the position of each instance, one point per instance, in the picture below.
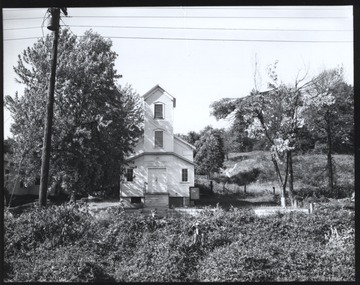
{"points": [[257, 169]]}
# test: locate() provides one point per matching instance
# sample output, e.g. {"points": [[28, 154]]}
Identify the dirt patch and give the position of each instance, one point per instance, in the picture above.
{"points": [[102, 205]]}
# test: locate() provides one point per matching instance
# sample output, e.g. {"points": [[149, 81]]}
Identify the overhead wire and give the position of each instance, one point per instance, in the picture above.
{"points": [[208, 39], [28, 38], [209, 17], [68, 27], [196, 28], [192, 28], [21, 28], [26, 18], [42, 24], [188, 17], [239, 7], [208, 28], [232, 40]]}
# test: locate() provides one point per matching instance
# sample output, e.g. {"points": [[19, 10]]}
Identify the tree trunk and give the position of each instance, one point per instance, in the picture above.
{"points": [[329, 157], [282, 185], [291, 178]]}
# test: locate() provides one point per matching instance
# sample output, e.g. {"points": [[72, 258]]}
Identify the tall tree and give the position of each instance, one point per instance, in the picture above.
{"points": [[275, 115], [96, 122], [210, 153], [329, 102]]}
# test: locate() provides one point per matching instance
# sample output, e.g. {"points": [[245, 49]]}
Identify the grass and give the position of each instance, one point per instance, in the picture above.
{"points": [[235, 200], [309, 171]]}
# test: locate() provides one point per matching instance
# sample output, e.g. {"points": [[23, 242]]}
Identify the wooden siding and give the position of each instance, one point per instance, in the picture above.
{"points": [[176, 202], [157, 200]]}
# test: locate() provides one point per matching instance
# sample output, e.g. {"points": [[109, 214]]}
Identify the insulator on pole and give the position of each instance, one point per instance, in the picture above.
{"points": [[53, 22]]}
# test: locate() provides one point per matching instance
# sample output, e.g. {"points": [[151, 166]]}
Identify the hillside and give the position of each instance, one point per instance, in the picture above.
{"points": [[309, 171]]}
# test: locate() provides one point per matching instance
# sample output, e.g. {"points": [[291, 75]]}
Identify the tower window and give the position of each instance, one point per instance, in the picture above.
{"points": [[159, 137], [159, 111]]}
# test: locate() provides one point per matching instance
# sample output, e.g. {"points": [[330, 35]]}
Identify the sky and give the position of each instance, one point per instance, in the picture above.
{"points": [[198, 54]]}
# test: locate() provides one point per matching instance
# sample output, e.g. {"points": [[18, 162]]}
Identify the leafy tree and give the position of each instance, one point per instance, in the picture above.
{"points": [[193, 137], [281, 113], [8, 146], [274, 115], [329, 112], [210, 154], [96, 123], [306, 140]]}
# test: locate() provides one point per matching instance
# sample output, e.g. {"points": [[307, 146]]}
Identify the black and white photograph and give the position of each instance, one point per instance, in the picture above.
{"points": [[178, 143]]}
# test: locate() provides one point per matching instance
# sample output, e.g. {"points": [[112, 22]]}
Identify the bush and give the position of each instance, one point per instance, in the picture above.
{"points": [[292, 247], [66, 243]]}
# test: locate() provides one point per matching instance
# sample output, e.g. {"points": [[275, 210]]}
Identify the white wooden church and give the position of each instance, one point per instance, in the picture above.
{"points": [[161, 170]]}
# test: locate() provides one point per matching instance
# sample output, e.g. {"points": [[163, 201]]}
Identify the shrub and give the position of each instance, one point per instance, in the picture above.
{"points": [[233, 245], [51, 227], [290, 247]]}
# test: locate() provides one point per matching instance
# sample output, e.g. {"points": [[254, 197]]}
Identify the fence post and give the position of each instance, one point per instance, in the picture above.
{"points": [[273, 190], [245, 188], [311, 209]]}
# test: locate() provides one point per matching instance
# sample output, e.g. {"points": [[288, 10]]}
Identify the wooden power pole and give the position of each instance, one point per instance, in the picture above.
{"points": [[45, 158]]}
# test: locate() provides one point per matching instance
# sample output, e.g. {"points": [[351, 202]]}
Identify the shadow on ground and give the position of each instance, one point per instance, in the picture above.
{"points": [[235, 200]]}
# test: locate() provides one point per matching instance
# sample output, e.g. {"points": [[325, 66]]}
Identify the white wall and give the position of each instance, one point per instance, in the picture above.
{"points": [[151, 124], [183, 150], [173, 165]]}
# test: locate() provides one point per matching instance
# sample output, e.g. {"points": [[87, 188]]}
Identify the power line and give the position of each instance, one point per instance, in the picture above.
{"points": [[25, 9], [27, 18], [189, 28], [24, 28], [280, 8], [203, 39], [227, 40], [68, 27], [210, 28], [211, 17], [189, 17], [17, 39]]}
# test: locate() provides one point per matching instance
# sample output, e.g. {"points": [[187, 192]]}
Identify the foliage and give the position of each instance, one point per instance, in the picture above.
{"points": [[290, 247], [241, 178], [191, 137], [274, 115], [68, 243], [210, 153], [283, 115], [95, 123], [329, 109], [8, 146]]}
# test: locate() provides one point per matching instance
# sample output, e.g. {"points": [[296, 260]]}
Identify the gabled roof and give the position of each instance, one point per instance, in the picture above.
{"points": [[157, 87], [185, 142]]}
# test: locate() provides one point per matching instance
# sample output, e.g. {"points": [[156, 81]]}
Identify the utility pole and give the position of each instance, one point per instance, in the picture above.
{"points": [[45, 158]]}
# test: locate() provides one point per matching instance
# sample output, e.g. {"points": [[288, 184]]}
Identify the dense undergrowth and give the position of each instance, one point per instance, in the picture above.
{"points": [[67, 243]]}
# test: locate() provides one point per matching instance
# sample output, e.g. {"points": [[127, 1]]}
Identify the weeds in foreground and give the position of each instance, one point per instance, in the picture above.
{"points": [[67, 243]]}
